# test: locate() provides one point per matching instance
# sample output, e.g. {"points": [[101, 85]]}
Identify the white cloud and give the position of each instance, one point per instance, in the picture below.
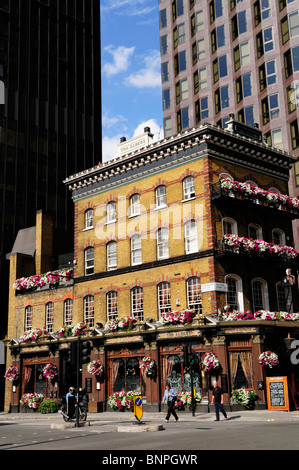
{"points": [[121, 59], [150, 75]]}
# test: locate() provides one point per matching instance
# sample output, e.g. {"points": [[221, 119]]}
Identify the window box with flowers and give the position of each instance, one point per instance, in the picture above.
{"points": [[268, 359], [122, 401], [33, 336], [96, 368], [245, 397], [120, 324], [184, 400], [277, 200], [50, 279], [249, 246], [12, 374], [182, 317], [31, 401], [210, 362]]}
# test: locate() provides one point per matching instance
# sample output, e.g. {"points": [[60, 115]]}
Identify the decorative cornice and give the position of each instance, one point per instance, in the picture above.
{"points": [[205, 134]]}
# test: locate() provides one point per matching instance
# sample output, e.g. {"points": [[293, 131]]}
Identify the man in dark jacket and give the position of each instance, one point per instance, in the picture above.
{"points": [[217, 400]]}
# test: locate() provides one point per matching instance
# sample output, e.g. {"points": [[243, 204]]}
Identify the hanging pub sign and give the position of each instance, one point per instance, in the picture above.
{"points": [[277, 393]]}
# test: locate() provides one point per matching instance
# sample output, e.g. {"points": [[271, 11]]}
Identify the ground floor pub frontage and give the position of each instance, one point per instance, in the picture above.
{"points": [[142, 360]]}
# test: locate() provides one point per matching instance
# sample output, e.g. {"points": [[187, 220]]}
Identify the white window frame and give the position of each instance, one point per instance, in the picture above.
{"points": [[49, 316], [136, 249], [89, 310], [137, 303], [112, 299], [134, 205], [111, 249], [188, 188], [68, 312], [232, 223], [164, 298], [239, 291], [28, 317], [264, 294], [191, 236], [162, 243], [193, 287], [89, 261], [111, 212], [88, 217], [160, 194]]}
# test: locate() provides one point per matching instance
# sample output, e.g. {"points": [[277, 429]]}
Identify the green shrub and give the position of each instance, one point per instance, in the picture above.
{"points": [[48, 406]]}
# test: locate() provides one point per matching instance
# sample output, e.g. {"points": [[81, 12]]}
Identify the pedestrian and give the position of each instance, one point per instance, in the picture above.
{"points": [[170, 397], [217, 400]]}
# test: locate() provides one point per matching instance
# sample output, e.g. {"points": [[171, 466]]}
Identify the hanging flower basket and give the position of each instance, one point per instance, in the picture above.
{"points": [[50, 371], [245, 397], [148, 365], [95, 368], [268, 359], [210, 361], [12, 373]]}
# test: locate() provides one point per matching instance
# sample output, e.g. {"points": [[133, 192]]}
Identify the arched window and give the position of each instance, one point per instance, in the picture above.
{"points": [[137, 303], [260, 298], [49, 317], [255, 232], [134, 205], [162, 243], [188, 188], [136, 251], [112, 305], [234, 295], [88, 218], [28, 317], [278, 237], [111, 256], [68, 312], [89, 261], [164, 298], [191, 238], [89, 310], [160, 197], [229, 226], [194, 294]]}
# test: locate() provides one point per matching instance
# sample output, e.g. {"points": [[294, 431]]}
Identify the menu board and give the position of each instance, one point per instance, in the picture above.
{"points": [[277, 393]]}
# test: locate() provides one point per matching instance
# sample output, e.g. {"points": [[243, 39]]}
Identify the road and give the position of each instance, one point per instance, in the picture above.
{"points": [[187, 436]]}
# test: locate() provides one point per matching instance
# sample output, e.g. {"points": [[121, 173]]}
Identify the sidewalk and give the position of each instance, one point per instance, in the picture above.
{"points": [[119, 417]]}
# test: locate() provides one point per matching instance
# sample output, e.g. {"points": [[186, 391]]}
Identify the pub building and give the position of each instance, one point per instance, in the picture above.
{"points": [[181, 249]]}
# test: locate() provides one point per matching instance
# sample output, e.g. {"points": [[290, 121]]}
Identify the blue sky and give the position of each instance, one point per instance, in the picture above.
{"points": [[131, 78]]}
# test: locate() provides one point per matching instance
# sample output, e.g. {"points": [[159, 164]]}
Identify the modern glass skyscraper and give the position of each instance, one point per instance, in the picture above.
{"points": [[50, 122], [240, 57], [231, 56]]}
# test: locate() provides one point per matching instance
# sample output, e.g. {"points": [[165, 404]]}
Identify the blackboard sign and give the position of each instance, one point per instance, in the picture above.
{"points": [[277, 393]]}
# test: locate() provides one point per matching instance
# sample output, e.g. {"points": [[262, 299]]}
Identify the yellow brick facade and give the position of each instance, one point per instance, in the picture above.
{"points": [[203, 155]]}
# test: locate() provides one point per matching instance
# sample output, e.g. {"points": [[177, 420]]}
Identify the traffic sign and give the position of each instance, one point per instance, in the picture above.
{"points": [[138, 407]]}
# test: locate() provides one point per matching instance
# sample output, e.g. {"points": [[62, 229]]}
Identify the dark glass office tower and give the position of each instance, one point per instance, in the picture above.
{"points": [[50, 124]]}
